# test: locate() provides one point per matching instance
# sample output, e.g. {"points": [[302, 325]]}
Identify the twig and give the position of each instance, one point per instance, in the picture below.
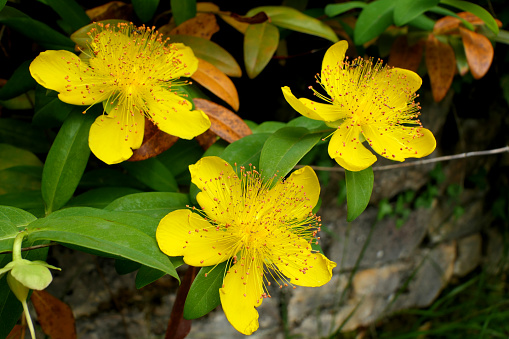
{"points": [[33, 247], [419, 162]]}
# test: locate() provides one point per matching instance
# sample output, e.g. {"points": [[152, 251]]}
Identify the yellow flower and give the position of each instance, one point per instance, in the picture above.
{"points": [[372, 103], [261, 231], [131, 70]]}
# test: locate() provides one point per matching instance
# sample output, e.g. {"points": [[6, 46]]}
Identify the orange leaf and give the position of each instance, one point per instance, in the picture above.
{"points": [[474, 20], [447, 24], [154, 143], [224, 122], [203, 25], [206, 139], [210, 77], [207, 7], [479, 51], [54, 316], [441, 64], [17, 332], [404, 56], [111, 10]]}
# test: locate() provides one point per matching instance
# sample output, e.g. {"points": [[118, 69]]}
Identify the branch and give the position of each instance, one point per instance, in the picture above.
{"points": [[419, 162]]}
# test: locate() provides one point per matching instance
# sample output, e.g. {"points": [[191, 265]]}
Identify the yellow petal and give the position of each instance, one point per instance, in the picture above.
{"points": [[296, 261], [64, 72], [174, 114], [398, 86], [299, 193], [400, 143], [113, 137], [241, 292], [311, 109], [183, 233], [332, 63], [183, 62], [346, 148]]}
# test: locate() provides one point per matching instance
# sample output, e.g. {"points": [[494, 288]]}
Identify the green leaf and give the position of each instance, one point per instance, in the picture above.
{"points": [[422, 22], [284, 149], [310, 124], [407, 10], [373, 20], [183, 10], [116, 234], [245, 151], [268, 127], [100, 197], [72, 13], [359, 186], [2, 4], [477, 10], [30, 201], [23, 135], [147, 275], [123, 266], [20, 82], [49, 110], [35, 30], [67, 159], [12, 220], [203, 295], [153, 204], [20, 178], [287, 17], [152, 173], [145, 9], [180, 156], [11, 156], [211, 52], [260, 44], [337, 9], [447, 12]]}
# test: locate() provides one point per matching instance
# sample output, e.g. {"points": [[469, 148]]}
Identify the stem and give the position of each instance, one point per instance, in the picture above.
{"points": [[16, 248], [29, 319]]}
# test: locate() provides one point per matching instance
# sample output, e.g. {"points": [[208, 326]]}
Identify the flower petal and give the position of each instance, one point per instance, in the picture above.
{"points": [[219, 187], [183, 233], [113, 137], [400, 143], [346, 148], [174, 114], [241, 292], [64, 72], [398, 86], [182, 61], [312, 109], [333, 60], [296, 261]]}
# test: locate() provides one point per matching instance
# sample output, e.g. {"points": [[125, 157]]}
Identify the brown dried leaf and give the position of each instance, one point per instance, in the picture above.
{"points": [[206, 139], [210, 77], [226, 124], [207, 7], [154, 142], [479, 51], [447, 24], [441, 64], [54, 316], [239, 26], [404, 56], [17, 332], [203, 25], [474, 20], [111, 10]]}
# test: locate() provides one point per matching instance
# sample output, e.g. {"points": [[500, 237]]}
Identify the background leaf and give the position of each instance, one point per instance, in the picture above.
{"points": [[23, 135], [284, 149], [337, 9], [100, 197], [147, 275], [49, 110], [145, 9], [359, 186], [153, 204], [441, 64], [183, 10], [260, 44], [476, 10], [245, 151], [12, 220], [70, 12], [287, 17], [67, 159], [35, 30], [373, 20], [203, 296], [152, 173], [30, 201], [20, 82], [407, 10]]}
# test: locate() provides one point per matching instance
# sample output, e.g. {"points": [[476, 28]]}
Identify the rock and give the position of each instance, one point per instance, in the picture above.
{"points": [[380, 281], [469, 254]]}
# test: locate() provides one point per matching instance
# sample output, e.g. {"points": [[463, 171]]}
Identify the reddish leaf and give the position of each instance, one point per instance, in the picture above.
{"points": [[479, 51], [210, 77], [441, 64], [54, 316], [178, 327], [404, 56], [447, 24], [206, 139], [474, 20], [203, 25], [258, 18], [155, 142], [224, 122], [17, 332], [111, 10]]}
